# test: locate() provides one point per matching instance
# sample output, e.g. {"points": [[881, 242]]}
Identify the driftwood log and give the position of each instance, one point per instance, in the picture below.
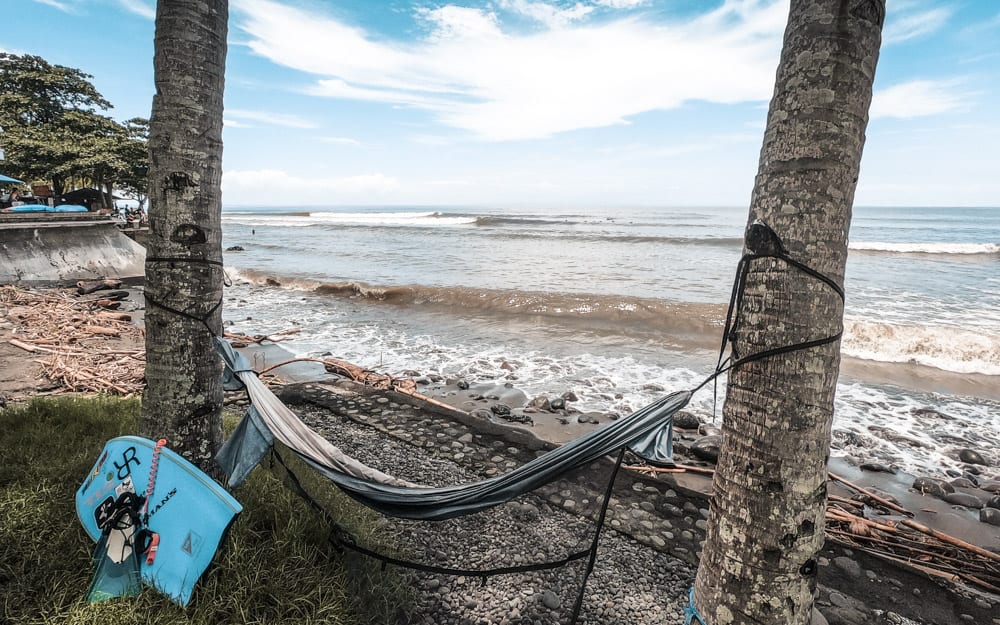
{"points": [[85, 287]]}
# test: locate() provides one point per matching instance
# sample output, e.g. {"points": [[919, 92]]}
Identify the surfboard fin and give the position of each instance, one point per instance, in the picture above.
{"points": [[116, 556]]}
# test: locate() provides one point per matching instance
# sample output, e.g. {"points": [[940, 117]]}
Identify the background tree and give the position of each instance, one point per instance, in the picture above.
{"points": [[133, 150], [183, 398], [766, 522], [54, 129]]}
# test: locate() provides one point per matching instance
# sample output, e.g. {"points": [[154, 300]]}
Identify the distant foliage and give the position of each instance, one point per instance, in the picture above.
{"points": [[54, 129]]}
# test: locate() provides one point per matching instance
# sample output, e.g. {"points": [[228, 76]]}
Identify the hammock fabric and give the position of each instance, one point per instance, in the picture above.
{"points": [[647, 432]]}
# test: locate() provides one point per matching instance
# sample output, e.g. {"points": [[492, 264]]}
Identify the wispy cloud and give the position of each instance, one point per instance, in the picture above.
{"points": [[340, 140], [621, 4], [474, 74], [918, 98], [268, 118], [549, 14], [56, 4], [139, 7], [911, 23]]}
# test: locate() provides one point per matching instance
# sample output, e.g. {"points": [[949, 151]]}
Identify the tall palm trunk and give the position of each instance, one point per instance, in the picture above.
{"points": [[183, 399], [766, 522]]}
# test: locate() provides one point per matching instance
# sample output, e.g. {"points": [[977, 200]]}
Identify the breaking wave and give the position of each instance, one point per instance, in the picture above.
{"points": [[948, 348], [700, 320], [958, 249]]}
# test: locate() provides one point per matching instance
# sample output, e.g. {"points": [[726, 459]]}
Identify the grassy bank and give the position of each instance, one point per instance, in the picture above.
{"points": [[275, 567]]}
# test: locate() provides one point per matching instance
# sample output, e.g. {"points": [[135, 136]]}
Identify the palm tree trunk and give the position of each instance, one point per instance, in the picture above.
{"points": [[766, 524], [183, 399]]}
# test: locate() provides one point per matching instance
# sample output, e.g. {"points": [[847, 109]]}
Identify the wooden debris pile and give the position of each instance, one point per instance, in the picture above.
{"points": [[82, 346], [850, 522], [862, 523]]}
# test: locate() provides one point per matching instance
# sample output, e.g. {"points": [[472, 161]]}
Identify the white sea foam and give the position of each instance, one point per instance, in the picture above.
{"points": [[429, 219], [964, 249], [919, 432], [948, 348]]}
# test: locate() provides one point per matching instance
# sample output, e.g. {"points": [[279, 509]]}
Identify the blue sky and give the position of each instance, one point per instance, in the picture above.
{"points": [[525, 102]]}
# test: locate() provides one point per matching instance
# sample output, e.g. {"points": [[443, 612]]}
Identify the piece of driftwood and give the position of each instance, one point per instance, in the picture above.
{"points": [[367, 377], [115, 316], [85, 287], [257, 339], [867, 493]]}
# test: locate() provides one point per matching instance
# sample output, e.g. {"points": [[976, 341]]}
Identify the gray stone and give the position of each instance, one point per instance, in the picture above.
{"points": [[848, 566], [707, 429], [707, 448], [686, 421], [930, 486], [964, 499], [994, 502], [961, 482], [465, 438], [990, 515], [839, 600], [550, 600], [846, 616], [877, 467], [969, 456], [540, 403], [818, 618]]}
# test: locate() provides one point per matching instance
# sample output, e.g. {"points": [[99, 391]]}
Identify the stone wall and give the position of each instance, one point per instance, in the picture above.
{"points": [[38, 250]]}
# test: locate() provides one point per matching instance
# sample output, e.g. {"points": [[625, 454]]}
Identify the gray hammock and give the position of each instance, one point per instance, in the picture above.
{"points": [[648, 432]]}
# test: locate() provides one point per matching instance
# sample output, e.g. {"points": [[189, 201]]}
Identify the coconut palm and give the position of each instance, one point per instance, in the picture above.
{"points": [[183, 399], [766, 520]]}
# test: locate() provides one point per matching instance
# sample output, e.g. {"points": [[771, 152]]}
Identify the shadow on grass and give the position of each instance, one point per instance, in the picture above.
{"points": [[276, 565]]}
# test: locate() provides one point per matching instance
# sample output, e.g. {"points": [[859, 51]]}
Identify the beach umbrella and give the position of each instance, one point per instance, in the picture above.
{"points": [[8, 179]]}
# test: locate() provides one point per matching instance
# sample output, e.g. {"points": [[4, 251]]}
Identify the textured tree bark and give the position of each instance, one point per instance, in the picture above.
{"points": [[765, 527], [183, 399]]}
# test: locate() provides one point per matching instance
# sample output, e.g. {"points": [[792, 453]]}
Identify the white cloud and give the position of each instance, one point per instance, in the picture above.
{"points": [[139, 7], [232, 123], [912, 25], [455, 22], [340, 140], [548, 14], [56, 4], [917, 98], [473, 75], [258, 186], [266, 117], [621, 4]]}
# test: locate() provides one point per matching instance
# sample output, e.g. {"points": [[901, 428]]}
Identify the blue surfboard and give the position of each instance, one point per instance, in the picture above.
{"points": [[188, 509]]}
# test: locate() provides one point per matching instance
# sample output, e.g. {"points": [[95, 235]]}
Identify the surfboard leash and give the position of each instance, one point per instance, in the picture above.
{"points": [[154, 538]]}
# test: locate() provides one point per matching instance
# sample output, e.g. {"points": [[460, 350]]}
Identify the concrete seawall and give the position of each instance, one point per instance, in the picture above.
{"points": [[37, 251]]}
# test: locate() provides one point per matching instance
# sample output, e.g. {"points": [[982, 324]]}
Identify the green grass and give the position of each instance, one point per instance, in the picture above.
{"points": [[276, 565]]}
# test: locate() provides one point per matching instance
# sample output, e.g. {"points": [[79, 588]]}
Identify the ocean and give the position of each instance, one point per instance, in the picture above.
{"points": [[618, 303]]}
